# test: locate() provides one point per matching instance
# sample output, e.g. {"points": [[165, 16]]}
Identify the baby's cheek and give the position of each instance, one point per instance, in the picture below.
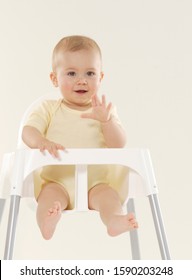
{"points": [[94, 89]]}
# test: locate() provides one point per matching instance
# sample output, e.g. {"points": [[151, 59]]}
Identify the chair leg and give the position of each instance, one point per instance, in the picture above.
{"points": [[2, 206], [135, 250], [11, 228], [159, 226]]}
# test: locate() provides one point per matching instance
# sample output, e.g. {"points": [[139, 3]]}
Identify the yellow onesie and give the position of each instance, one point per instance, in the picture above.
{"points": [[64, 125]]}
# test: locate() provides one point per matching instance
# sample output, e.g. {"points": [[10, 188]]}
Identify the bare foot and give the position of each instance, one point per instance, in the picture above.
{"points": [[51, 220], [121, 223]]}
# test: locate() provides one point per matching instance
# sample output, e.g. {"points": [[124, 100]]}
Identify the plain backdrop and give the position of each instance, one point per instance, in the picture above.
{"points": [[147, 60]]}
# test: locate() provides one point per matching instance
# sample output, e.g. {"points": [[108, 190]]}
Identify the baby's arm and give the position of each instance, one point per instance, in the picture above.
{"points": [[114, 134], [34, 139]]}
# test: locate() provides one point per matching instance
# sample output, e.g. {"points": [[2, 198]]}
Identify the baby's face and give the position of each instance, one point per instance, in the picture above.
{"points": [[78, 76]]}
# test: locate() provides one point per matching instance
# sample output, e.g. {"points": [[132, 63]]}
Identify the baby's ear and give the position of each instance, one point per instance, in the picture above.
{"points": [[53, 78], [101, 76]]}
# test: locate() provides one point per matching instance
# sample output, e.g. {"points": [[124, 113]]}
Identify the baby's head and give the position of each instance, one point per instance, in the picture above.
{"points": [[72, 44], [77, 69]]}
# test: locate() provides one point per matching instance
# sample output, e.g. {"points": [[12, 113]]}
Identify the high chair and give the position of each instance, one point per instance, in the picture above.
{"points": [[17, 172]]}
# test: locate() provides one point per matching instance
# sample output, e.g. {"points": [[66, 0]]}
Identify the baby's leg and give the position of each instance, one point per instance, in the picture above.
{"points": [[51, 201], [106, 200]]}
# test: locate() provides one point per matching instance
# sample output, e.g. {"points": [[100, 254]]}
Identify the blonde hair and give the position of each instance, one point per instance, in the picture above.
{"points": [[72, 44]]}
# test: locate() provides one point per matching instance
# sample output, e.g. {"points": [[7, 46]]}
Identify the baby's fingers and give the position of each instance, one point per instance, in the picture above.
{"points": [[54, 150], [60, 147], [103, 100], [42, 147], [109, 107], [51, 147], [95, 100]]}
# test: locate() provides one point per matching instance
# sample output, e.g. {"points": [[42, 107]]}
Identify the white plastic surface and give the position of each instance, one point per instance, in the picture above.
{"points": [[141, 176]]}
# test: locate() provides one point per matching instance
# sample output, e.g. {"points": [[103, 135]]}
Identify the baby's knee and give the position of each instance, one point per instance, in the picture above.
{"points": [[102, 190]]}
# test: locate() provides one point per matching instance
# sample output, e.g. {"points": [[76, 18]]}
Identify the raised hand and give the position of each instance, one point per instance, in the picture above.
{"points": [[100, 110]]}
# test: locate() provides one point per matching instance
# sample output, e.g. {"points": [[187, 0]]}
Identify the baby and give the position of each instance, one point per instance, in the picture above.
{"points": [[80, 119]]}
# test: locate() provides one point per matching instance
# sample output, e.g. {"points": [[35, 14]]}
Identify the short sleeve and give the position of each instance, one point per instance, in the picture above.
{"points": [[41, 116]]}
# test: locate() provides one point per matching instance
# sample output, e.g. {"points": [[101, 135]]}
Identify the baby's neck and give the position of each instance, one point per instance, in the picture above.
{"points": [[77, 107]]}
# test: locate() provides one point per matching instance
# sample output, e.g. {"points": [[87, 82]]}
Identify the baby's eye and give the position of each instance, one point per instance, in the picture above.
{"points": [[71, 74], [91, 74]]}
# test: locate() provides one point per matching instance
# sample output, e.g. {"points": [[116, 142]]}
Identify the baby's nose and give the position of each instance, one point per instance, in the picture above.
{"points": [[81, 80]]}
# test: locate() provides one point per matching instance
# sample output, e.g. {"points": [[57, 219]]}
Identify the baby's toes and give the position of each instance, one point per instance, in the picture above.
{"points": [[135, 224], [50, 211], [56, 204], [131, 217]]}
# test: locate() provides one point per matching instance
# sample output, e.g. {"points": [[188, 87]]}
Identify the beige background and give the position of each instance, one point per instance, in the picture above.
{"points": [[147, 57]]}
